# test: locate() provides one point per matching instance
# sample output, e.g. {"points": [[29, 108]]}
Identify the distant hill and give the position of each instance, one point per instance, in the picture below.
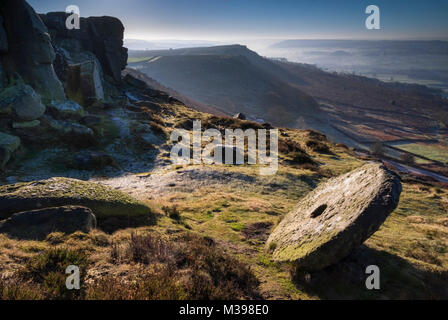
{"points": [[423, 62], [137, 44], [351, 109], [232, 79]]}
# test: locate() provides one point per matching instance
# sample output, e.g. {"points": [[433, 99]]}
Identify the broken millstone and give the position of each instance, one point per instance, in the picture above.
{"points": [[335, 218]]}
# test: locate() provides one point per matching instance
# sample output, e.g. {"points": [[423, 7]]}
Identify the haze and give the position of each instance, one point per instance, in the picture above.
{"points": [[237, 20]]}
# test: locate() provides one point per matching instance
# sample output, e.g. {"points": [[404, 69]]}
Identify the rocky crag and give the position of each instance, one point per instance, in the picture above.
{"points": [[63, 88], [64, 105]]}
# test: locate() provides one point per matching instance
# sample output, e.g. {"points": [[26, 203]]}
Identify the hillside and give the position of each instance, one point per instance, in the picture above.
{"points": [[232, 79], [88, 183], [357, 111], [408, 61]]}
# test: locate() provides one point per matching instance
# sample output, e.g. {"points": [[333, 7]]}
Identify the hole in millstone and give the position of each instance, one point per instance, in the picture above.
{"points": [[318, 211]]}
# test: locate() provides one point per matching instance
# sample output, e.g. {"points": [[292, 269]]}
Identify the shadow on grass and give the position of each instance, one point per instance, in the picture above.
{"points": [[114, 223], [399, 279]]}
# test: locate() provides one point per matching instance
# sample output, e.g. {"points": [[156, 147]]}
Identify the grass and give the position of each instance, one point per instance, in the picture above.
{"points": [[186, 266], [139, 59], [430, 151], [43, 276], [409, 247], [209, 243], [408, 252]]}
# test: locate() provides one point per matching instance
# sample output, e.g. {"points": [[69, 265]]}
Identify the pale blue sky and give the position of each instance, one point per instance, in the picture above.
{"points": [[263, 19]]}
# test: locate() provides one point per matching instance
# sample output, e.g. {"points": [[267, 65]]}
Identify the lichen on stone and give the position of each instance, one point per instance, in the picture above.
{"points": [[102, 200], [336, 217]]}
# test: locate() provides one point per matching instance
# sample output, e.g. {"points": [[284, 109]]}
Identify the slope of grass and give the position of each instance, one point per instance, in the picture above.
{"points": [[210, 242]]}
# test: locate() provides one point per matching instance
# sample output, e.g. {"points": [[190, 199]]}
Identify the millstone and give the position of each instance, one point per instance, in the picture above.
{"points": [[335, 218]]}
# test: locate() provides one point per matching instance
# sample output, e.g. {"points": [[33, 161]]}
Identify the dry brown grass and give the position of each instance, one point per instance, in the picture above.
{"points": [[185, 266], [193, 266]]}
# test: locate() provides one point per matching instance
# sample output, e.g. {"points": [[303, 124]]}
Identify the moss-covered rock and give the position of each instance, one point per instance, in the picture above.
{"points": [[66, 110], [22, 102], [26, 124], [103, 201], [335, 218]]}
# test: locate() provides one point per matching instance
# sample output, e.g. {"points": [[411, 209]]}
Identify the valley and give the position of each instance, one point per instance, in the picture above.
{"points": [[357, 111], [93, 205]]}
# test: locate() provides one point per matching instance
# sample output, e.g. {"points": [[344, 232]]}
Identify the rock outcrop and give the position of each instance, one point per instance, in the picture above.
{"points": [[21, 102], [28, 51], [335, 218], [67, 132], [37, 224], [49, 131], [84, 83], [102, 36], [11, 143], [42, 63], [66, 110], [54, 192]]}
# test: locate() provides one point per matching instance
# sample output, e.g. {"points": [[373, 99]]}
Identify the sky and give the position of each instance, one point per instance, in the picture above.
{"points": [[233, 20]]}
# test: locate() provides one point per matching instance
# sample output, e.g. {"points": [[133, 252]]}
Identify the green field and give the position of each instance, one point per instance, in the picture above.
{"points": [[139, 59], [431, 151]]}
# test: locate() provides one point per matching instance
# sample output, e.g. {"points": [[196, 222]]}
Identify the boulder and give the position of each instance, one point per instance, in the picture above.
{"points": [[90, 160], [103, 36], [91, 120], [37, 224], [71, 51], [30, 53], [70, 132], [84, 83], [60, 63], [26, 124], [21, 102], [66, 110], [50, 131], [9, 142], [103, 201], [240, 116], [36, 131], [335, 218]]}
